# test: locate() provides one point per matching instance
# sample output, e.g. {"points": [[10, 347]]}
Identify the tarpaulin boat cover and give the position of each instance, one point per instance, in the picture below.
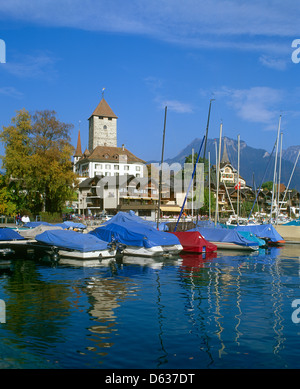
{"points": [[65, 225], [69, 224], [9, 234], [292, 223], [30, 233], [254, 238], [263, 231], [124, 217], [193, 241], [71, 240], [134, 234], [36, 224], [223, 235]]}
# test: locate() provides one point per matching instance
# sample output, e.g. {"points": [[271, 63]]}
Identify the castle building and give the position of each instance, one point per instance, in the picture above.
{"points": [[103, 156], [111, 178]]}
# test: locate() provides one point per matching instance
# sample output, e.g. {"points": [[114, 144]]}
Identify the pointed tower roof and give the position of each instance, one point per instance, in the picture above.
{"points": [[78, 152], [225, 158], [103, 109]]}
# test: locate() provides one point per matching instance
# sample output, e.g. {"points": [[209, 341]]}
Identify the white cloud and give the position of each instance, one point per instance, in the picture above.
{"points": [[257, 104], [273, 63], [10, 91], [239, 24], [156, 86], [31, 66], [177, 106]]}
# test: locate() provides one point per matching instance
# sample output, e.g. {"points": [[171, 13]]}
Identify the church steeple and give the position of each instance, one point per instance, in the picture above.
{"points": [[78, 151], [225, 159]]}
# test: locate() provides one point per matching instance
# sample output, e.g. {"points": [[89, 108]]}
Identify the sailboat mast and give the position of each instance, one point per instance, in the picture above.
{"points": [[279, 179], [207, 125], [161, 167], [209, 200], [290, 179], [238, 183], [218, 174], [275, 165]]}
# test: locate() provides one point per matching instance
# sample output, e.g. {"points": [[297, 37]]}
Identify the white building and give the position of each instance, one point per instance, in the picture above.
{"points": [[103, 156]]}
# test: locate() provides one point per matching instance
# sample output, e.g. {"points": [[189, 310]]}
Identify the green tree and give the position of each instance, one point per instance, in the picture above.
{"points": [[267, 185], [7, 203], [37, 161]]}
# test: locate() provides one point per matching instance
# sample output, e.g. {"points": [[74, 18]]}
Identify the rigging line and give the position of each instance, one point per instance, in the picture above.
{"points": [[192, 179], [262, 181]]}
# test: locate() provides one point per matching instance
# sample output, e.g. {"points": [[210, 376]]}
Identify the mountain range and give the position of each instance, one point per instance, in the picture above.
{"points": [[256, 165]]}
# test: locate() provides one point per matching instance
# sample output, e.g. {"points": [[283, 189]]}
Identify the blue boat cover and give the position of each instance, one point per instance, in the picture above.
{"points": [[66, 224], [134, 233], [69, 224], [254, 238], [9, 234], [293, 223], [36, 224], [263, 231], [224, 235], [71, 240], [124, 217]]}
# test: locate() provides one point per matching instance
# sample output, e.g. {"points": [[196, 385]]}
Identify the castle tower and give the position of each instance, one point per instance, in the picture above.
{"points": [[102, 127]]}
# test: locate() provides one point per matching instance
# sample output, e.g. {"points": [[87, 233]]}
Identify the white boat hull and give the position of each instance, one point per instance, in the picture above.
{"points": [[86, 262], [233, 246], [152, 251], [100, 254]]}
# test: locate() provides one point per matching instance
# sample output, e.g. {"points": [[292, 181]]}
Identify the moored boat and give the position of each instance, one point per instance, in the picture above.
{"points": [[194, 242], [140, 239], [74, 244], [31, 233], [266, 232], [227, 238]]}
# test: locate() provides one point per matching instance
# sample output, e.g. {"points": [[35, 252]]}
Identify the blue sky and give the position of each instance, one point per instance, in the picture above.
{"points": [[152, 54]]}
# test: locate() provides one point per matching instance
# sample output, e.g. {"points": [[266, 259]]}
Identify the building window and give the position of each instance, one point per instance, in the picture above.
{"points": [[107, 167], [138, 175], [126, 167], [116, 167], [107, 173], [98, 166], [138, 168]]}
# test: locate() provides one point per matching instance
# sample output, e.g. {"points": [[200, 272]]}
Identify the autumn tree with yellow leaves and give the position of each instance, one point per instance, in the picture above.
{"points": [[37, 161]]}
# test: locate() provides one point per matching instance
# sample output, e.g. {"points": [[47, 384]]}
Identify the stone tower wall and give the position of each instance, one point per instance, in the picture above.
{"points": [[102, 132]]}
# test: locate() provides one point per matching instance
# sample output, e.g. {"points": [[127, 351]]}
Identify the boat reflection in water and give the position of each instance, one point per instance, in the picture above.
{"points": [[214, 310]]}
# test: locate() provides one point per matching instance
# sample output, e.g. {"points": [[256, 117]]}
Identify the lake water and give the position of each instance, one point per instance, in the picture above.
{"points": [[224, 311]]}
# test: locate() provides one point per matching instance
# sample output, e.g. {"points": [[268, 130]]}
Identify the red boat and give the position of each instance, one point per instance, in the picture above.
{"points": [[193, 242]]}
